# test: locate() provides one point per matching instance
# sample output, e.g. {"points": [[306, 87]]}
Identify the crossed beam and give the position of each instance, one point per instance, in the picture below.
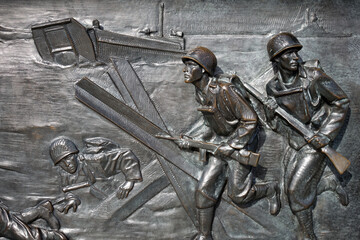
{"points": [[142, 127], [139, 118]]}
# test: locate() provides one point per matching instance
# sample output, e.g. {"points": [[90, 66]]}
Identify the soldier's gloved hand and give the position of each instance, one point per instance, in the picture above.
{"points": [[124, 189], [319, 140], [224, 150], [71, 201], [270, 105], [182, 142]]}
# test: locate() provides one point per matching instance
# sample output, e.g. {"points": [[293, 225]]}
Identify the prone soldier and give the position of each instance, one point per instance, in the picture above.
{"points": [[101, 159]]}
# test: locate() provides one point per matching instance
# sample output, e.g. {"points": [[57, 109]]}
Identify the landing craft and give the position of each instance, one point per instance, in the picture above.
{"points": [[67, 41]]}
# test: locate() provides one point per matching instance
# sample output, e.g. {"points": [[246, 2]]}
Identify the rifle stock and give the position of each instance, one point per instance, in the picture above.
{"points": [[246, 157], [340, 162]]}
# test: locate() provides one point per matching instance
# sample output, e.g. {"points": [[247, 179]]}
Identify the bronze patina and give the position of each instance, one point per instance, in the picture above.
{"points": [[101, 138]]}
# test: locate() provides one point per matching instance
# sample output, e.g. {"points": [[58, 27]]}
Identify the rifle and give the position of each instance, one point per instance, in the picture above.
{"points": [[340, 162], [243, 156]]}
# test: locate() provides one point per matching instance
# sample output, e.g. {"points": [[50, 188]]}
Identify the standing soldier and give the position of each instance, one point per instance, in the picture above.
{"points": [[228, 120], [309, 95]]}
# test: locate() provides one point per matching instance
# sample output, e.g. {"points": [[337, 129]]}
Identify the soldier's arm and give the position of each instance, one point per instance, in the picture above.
{"points": [[199, 130], [243, 134], [246, 117], [130, 166], [12, 227], [88, 173], [335, 98], [269, 107]]}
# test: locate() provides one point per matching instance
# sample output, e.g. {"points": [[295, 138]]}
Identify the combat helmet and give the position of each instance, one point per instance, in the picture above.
{"points": [[280, 43], [204, 57], [60, 148]]}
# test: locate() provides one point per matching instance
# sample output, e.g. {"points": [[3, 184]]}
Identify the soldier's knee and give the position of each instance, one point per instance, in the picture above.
{"points": [[291, 191], [292, 188], [204, 201], [240, 198]]}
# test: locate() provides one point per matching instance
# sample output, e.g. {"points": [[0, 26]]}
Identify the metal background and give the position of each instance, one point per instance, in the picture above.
{"points": [[37, 104]]}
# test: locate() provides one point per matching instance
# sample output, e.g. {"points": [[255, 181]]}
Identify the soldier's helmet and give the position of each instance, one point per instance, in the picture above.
{"points": [[204, 57], [280, 43], [60, 148]]}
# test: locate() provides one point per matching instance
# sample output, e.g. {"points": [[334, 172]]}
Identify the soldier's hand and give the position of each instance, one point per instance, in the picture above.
{"points": [[319, 141], [182, 142], [125, 189], [270, 105], [224, 150], [71, 201], [81, 157]]}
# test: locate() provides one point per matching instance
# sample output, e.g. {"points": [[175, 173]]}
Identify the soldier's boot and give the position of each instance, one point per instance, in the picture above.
{"points": [[342, 195], [331, 183], [271, 191], [273, 195], [305, 220], [46, 212], [205, 217]]}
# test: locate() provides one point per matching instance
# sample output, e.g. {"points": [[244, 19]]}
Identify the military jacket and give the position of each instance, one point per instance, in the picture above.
{"points": [[227, 111], [103, 159], [313, 98]]}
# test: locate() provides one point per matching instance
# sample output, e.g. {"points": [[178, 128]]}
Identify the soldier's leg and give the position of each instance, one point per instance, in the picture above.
{"points": [[329, 182], [305, 220], [271, 191], [207, 194], [303, 178], [205, 218], [241, 189], [240, 179]]}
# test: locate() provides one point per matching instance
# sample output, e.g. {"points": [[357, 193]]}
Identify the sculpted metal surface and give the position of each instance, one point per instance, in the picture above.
{"points": [[102, 139]]}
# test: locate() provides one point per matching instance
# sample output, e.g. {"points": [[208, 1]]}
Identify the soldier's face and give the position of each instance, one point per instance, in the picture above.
{"points": [[289, 60], [69, 163], [192, 71]]}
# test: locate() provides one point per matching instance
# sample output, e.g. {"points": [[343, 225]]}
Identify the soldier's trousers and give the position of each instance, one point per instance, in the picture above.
{"points": [[213, 180], [302, 175]]}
